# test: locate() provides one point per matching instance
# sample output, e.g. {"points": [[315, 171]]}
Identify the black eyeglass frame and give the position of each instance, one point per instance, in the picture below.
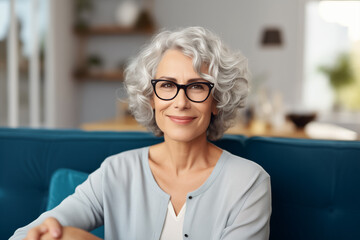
{"points": [[181, 86]]}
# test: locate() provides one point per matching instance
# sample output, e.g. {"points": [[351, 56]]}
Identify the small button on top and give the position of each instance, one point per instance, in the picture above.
{"points": [[190, 197], [186, 235]]}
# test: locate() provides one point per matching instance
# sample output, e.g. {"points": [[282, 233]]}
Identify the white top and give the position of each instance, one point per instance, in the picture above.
{"points": [[173, 225]]}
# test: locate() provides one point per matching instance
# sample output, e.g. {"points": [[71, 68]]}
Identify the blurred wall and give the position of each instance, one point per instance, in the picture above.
{"points": [[239, 23], [62, 102]]}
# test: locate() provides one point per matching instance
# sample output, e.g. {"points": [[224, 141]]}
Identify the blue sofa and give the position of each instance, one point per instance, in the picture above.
{"points": [[315, 184]]}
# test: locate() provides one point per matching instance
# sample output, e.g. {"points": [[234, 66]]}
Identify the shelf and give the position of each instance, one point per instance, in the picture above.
{"points": [[111, 76], [114, 30], [83, 37]]}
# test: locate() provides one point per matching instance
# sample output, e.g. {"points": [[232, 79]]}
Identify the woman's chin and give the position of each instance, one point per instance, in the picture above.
{"points": [[184, 136]]}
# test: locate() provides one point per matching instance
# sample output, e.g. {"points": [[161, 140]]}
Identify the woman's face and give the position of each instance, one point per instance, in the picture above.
{"points": [[181, 119]]}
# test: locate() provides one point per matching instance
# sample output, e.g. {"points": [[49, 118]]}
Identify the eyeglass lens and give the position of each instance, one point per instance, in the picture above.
{"points": [[167, 90]]}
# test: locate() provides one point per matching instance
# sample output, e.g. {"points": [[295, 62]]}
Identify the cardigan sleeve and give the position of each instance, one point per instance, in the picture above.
{"points": [[83, 209], [253, 221]]}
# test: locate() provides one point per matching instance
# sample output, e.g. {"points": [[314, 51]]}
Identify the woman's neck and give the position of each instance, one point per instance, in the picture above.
{"points": [[184, 157]]}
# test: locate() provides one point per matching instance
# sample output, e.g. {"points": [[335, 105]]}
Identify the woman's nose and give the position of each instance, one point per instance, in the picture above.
{"points": [[181, 100]]}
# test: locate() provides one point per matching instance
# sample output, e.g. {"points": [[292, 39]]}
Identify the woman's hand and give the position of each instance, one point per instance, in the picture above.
{"points": [[70, 233], [50, 227]]}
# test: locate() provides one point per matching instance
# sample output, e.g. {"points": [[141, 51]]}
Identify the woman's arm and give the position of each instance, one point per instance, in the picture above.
{"points": [[253, 220]]}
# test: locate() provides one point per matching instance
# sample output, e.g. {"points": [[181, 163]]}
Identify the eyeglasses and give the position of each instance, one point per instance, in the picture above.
{"points": [[196, 92]]}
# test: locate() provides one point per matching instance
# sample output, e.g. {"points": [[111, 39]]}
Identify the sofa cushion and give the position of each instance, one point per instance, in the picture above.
{"points": [[63, 184]]}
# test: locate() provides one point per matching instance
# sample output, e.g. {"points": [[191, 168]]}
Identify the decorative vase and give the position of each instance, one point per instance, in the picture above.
{"points": [[127, 13]]}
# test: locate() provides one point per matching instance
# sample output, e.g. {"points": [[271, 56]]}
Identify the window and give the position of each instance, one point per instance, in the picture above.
{"points": [[30, 21], [332, 46]]}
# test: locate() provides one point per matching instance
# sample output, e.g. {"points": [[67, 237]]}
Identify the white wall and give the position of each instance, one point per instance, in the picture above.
{"points": [[238, 22], [61, 102]]}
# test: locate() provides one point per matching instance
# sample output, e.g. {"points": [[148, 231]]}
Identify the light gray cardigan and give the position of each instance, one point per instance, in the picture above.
{"points": [[233, 203]]}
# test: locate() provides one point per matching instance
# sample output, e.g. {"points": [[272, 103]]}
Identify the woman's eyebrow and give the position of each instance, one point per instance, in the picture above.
{"points": [[168, 78], [175, 80]]}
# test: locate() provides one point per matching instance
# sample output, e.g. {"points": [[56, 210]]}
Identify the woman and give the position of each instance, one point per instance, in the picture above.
{"points": [[188, 87]]}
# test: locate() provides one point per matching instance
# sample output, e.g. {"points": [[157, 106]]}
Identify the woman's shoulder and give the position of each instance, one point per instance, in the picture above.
{"points": [[129, 158], [239, 167]]}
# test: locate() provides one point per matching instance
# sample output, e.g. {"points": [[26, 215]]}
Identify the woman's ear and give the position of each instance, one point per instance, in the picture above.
{"points": [[152, 103], [214, 109]]}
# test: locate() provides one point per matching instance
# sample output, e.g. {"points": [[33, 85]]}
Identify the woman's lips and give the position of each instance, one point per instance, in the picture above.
{"points": [[181, 119]]}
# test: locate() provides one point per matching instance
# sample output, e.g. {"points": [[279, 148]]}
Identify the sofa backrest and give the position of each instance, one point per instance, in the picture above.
{"points": [[315, 190], [315, 186], [28, 159]]}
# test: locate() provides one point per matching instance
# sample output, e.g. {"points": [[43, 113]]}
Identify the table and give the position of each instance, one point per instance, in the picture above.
{"points": [[254, 129]]}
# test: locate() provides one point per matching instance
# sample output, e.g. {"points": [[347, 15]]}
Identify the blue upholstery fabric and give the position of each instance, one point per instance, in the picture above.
{"points": [[315, 186], [62, 184], [29, 157]]}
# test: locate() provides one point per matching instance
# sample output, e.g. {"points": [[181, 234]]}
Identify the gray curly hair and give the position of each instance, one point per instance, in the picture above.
{"points": [[228, 70]]}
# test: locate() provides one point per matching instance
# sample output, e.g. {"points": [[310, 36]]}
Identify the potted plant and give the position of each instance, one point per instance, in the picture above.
{"points": [[340, 76]]}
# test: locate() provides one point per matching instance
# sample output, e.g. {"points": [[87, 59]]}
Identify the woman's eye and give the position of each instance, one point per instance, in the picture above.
{"points": [[197, 86], [166, 85]]}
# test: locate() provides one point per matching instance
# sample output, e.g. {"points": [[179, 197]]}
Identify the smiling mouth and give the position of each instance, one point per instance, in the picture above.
{"points": [[181, 120]]}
